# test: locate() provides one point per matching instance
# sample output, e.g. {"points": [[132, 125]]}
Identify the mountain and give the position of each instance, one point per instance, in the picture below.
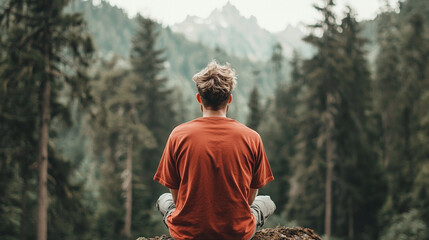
{"points": [[228, 29], [112, 31], [291, 39], [110, 26]]}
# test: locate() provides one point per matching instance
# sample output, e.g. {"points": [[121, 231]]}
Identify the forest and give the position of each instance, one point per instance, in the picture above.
{"points": [[89, 96]]}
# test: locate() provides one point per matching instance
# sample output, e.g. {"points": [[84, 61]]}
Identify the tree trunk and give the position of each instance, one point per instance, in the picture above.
{"points": [[328, 192], [42, 192], [330, 147], [128, 187], [44, 117], [351, 223], [387, 134], [23, 204]]}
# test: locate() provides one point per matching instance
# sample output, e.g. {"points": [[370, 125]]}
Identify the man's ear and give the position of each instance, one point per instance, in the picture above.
{"points": [[198, 97], [230, 98]]}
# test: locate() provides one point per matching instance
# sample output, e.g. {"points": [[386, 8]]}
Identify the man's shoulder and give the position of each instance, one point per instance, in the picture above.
{"points": [[198, 123], [246, 130], [184, 126]]}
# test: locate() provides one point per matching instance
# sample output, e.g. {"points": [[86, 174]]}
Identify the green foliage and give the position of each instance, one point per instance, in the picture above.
{"points": [[402, 119], [255, 110], [155, 111], [111, 122], [355, 146], [407, 226], [148, 64], [279, 131], [40, 44], [109, 25], [328, 108], [412, 7], [319, 107], [277, 57]]}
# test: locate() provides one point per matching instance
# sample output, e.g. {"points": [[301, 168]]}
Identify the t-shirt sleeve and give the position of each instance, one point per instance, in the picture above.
{"points": [[262, 173], [167, 173]]}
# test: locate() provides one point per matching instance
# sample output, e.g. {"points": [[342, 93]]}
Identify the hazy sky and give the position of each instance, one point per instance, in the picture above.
{"points": [[273, 15]]}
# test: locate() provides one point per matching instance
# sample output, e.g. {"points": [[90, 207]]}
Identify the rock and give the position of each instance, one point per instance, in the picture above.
{"points": [[286, 233], [295, 233], [163, 237]]}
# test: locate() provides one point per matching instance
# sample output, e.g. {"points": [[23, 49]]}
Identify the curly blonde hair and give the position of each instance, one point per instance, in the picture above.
{"points": [[215, 83]]}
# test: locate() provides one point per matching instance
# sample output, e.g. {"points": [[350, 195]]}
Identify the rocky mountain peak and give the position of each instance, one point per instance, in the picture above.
{"points": [[225, 27], [229, 9]]}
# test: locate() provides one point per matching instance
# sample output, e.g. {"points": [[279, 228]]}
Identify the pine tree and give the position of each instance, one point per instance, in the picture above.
{"points": [[402, 80], [155, 110], [420, 149], [387, 79], [317, 148], [44, 33], [277, 59], [148, 64], [296, 73], [282, 148], [415, 80], [355, 147], [334, 139], [107, 145], [118, 132], [17, 146], [272, 132], [387, 85], [415, 55], [255, 110]]}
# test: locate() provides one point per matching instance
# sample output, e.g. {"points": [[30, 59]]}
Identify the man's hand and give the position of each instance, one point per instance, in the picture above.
{"points": [[252, 195], [174, 193]]}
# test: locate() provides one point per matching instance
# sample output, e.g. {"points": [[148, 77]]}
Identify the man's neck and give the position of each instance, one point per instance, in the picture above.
{"points": [[212, 113]]}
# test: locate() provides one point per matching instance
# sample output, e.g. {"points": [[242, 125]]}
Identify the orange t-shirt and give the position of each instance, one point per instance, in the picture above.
{"points": [[213, 162]]}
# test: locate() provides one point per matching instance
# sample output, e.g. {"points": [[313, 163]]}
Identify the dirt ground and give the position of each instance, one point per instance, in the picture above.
{"points": [[292, 233]]}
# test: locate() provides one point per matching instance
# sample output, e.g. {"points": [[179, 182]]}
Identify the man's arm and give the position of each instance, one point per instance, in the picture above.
{"points": [[252, 195], [174, 193]]}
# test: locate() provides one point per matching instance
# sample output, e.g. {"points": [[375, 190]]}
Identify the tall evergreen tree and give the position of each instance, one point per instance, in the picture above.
{"points": [[333, 139], [17, 146], [387, 85], [117, 133], [324, 77], [45, 33], [415, 56], [277, 59], [148, 63], [419, 139], [420, 188], [155, 110], [355, 146], [106, 126], [317, 150], [387, 79], [255, 114], [286, 101], [414, 51]]}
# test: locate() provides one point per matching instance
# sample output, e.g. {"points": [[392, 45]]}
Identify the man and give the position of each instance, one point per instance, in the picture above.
{"points": [[214, 167]]}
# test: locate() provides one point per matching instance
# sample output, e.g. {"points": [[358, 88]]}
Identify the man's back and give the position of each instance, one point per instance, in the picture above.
{"points": [[215, 161]]}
